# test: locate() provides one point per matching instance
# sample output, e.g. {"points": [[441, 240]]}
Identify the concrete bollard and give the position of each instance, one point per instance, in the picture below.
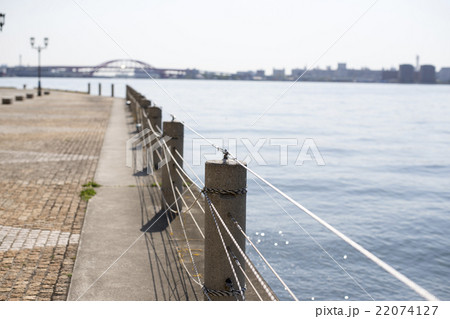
{"points": [[89, 88], [112, 90], [19, 97], [154, 114], [133, 107], [142, 105], [142, 124], [174, 130], [7, 100], [222, 176], [29, 95], [127, 92], [99, 89]]}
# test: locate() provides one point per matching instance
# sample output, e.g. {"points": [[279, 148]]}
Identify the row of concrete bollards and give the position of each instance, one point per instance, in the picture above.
{"points": [[100, 89], [225, 189], [19, 98]]}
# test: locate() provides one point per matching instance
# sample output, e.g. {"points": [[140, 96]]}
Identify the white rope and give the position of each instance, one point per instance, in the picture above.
{"points": [[236, 260], [265, 260], [192, 193], [247, 260], [197, 281], [167, 150], [389, 269], [192, 170], [187, 243], [223, 242], [159, 188], [178, 165], [189, 274], [185, 173], [315, 241], [171, 230], [189, 210], [181, 218], [158, 134], [221, 149], [408, 282]]}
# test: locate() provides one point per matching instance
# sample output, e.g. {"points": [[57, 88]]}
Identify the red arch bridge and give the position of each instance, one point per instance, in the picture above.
{"points": [[122, 68]]}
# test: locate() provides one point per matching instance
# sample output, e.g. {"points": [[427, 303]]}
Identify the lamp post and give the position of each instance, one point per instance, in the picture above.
{"points": [[2, 20], [39, 48]]}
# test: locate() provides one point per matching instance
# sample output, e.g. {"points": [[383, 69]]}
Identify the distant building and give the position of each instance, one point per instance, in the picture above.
{"points": [[406, 73], [278, 74], [444, 75], [244, 75], [192, 74], [342, 66], [363, 75], [296, 73], [427, 74], [389, 76], [3, 69], [261, 74], [341, 72], [317, 74]]}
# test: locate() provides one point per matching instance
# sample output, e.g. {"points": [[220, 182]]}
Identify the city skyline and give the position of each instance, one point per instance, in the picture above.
{"points": [[229, 37], [405, 73]]}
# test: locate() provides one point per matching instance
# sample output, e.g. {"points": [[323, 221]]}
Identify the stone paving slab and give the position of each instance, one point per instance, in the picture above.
{"points": [[49, 148]]}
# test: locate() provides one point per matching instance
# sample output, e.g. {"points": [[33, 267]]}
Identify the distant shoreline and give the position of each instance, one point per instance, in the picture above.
{"points": [[225, 79]]}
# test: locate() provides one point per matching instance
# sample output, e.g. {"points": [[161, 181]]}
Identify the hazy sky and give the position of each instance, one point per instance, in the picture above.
{"points": [[228, 35]]}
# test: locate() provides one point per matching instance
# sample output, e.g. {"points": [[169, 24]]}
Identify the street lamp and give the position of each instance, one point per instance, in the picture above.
{"points": [[39, 48], [2, 20]]}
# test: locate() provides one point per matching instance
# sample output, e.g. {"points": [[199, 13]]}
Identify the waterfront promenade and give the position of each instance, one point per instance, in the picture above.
{"points": [[120, 246], [49, 148]]}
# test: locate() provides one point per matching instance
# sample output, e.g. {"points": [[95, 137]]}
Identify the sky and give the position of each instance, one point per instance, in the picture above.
{"points": [[230, 35]]}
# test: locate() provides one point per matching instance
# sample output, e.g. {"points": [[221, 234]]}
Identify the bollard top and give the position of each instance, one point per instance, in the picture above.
{"points": [[174, 126], [145, 103], [225, 162], [225, 174], [173, 129], [154, 111]]}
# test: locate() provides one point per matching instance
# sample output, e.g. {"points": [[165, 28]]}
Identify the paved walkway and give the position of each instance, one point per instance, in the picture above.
{"points": [[49, 148], [123, 246], [116, 259]]}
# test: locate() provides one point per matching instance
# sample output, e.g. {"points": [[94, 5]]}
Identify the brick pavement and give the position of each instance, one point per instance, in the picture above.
{"points": [[49, 148]]}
